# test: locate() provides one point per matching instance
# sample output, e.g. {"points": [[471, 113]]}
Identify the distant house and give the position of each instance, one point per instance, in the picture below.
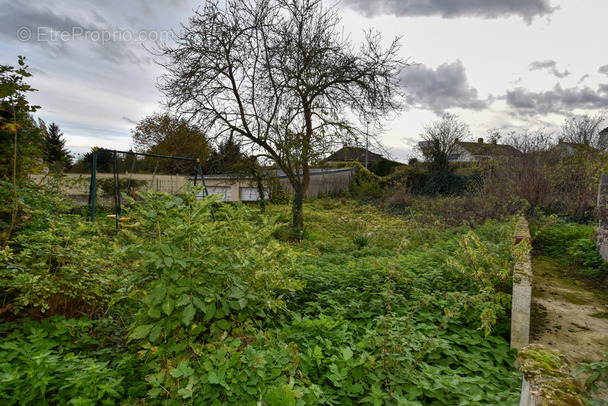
{"points": [[481, 151], [475, 151], [604, 138], [351, 154], [564, 148]]}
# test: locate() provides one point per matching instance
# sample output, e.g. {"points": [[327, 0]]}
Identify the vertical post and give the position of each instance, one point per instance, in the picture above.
{"points": [[366, 143], [93, 188], [199, 170], [117, 209]]}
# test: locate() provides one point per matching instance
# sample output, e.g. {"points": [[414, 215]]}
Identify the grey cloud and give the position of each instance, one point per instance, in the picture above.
{"points": [[550, 66], [16, 16], [557, 100], [128, 120], [60, 35], [527, 9], [603, 69], [440, 89]]}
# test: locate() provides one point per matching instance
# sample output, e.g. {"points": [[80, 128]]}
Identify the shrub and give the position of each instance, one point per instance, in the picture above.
{"points": [[210, 280], [366, 185], [556, 239], [70, 268]]}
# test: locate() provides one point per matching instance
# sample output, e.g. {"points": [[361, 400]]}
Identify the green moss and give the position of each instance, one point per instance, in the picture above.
{"points": [[600, 315], [574, 299], [549, 375]]}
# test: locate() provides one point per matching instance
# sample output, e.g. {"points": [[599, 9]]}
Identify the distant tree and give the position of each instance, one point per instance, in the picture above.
{"points": [[440, 138], [585, 130], [55, 153], [281, 76], [527, 173], [104, 160], [164, 134], [226, 157], [531, 141]]}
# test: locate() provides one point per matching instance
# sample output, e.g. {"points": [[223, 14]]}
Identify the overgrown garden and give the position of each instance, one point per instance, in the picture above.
{"points": [[366, 309]]}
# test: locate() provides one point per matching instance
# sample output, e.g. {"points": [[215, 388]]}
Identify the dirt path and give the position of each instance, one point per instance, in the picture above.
{"points": [[567, 315]]}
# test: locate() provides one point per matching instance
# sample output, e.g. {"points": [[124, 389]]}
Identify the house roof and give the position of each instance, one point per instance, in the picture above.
{"points": [[353, 154], [604, 131], [483, 149]]}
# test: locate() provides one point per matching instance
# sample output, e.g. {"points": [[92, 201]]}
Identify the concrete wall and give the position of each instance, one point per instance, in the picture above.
{"points": [[522, 291], [521, 302], [75, 184], [330, 181]]}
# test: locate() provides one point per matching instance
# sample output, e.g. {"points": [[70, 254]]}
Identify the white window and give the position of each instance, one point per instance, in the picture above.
{"points": [[216, 190]]}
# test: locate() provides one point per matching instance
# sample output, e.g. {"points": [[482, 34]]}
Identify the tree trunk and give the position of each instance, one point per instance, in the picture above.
{"points": [[297, 207]]}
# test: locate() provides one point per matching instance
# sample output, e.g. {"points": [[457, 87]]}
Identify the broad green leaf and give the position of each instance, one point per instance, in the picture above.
{"points": [[184, 299], [243, 302], [347, 353], [199, 304], [168, 306], [224, 324], [154, 312], [141, 332], [155, 333], [188, 314], [209, 312], [237, 292], [166, 249], [158, 294]]}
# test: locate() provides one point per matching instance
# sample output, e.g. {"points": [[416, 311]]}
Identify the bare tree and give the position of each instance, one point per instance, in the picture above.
{"points": [[585, 130], [528, 172], [440, 138], [283, 77], [530, 141]]}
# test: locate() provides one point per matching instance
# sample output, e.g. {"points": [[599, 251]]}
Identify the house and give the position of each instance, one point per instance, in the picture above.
{"points": [[481, 151], [603, 138], [474, 151], [564, 148], [351, 154]]}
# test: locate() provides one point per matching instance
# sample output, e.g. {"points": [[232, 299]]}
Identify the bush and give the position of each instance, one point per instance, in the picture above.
{"points": [[366, 185], [70, 268], [572, 243], [203, 282], [558, 238]]}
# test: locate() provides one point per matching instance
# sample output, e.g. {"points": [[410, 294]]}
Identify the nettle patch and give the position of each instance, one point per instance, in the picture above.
{"points": [[196, 311]]}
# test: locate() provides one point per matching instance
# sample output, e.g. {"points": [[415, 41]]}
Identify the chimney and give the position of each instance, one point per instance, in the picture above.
{"points": [[456, 140], [480, 140], [494, 142], [561, 141]]}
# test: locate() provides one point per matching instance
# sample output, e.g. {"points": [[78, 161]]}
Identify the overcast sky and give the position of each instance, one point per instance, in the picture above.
{"points": [[497, 64]]}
